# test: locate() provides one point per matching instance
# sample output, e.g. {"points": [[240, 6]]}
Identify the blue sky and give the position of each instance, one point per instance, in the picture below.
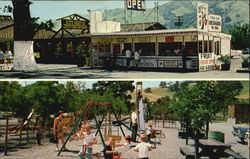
{"points": [[89, 84], [58, 9]]}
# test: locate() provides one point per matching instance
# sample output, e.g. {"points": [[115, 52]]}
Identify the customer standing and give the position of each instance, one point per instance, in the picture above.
{"points": [[134, 126], [1, 57], [137, 58], [128, 57]]}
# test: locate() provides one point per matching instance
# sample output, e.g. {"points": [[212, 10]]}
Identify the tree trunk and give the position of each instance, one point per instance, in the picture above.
{"points": [[24, 58], [24, 27], [196, 143], [207, 129]]}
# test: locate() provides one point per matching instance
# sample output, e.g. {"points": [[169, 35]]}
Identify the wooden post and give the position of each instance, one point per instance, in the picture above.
{"points": [[163, 121], [6, 137], [27, 134]]}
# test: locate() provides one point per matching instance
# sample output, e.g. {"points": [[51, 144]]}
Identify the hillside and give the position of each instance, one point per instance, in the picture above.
{"points": [[157, 92], [232, 12]]}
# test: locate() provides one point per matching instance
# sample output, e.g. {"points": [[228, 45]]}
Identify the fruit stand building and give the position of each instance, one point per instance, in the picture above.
{"points": [[193, 49]]}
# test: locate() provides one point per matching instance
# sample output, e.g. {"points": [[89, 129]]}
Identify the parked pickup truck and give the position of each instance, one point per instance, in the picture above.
{"points": [[241, 132]]}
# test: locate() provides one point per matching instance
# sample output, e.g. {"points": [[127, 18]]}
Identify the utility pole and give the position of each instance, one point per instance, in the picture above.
{"points": [[131, 16], [179, 22], [157, 13]]}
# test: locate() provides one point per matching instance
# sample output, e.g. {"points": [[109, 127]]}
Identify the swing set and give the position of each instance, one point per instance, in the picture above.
{"points": [[89, 109]]}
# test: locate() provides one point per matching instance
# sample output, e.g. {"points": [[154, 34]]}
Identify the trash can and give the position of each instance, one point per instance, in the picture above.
{"points": [[216, 135]]}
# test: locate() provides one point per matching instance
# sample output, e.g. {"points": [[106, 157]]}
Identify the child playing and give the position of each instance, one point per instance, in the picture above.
{"points": [[150, 132], [108, 151], [122, 148], [89, 140], [143, 147], [39, 131]]}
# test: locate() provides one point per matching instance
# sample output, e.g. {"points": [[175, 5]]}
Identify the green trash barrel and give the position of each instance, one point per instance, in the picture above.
{"points": [[216, 135]]}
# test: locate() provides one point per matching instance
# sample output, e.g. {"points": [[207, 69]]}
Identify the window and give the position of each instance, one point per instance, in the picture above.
{"points": [[217, 48], [148, 49], [170, 49], [210, 46], [107, 48], [117, 49], [205, 46], [191, 48], [101, 47], [200, 47]]}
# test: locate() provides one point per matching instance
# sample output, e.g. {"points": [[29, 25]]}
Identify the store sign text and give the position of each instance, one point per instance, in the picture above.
{"points": [[74, 24], [135, 5], [206, 61]]}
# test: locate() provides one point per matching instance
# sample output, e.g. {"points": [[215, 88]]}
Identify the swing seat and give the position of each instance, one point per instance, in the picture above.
{"points": [[117, 138]]}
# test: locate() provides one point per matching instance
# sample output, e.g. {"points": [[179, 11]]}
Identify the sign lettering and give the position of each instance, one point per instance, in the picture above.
{"points": [[206, 61], [74, 24], [214, 23], [138, 5]]}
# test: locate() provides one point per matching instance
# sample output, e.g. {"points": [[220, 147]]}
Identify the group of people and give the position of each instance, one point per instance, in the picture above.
{"points": [[137, 54], [111, 149], [6, 58]]}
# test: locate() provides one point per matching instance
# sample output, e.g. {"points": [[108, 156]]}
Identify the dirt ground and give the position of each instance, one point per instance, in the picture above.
{"points": [[166, 148]]}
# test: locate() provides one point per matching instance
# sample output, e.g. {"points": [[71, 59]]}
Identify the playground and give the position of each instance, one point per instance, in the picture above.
{"points": [[108, 118]]}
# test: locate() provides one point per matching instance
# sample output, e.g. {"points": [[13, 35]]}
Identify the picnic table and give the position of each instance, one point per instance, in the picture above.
{"points": [[213, 149]]}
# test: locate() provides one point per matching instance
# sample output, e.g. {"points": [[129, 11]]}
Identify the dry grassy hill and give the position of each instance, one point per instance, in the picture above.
{"points": [[157, 92]]}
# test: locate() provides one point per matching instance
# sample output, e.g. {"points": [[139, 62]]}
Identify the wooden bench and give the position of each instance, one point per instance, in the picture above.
{"points": [[233, 154], [186, 151]]}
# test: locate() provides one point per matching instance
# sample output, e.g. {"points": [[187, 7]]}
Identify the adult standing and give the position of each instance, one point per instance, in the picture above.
{"points": [[58, 131], [1, 57], [137, 58], [8, 57], [134, 124], [128, 57]]}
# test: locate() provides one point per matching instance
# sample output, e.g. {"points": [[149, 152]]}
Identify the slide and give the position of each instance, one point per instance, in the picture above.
{"points": [[141, 116]]}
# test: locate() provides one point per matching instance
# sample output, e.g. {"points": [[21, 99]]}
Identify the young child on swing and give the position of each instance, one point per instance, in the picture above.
{"points": [[88, 140]]}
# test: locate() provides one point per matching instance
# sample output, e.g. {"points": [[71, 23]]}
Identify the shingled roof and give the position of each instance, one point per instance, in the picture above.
{"points": [[142, 27]]}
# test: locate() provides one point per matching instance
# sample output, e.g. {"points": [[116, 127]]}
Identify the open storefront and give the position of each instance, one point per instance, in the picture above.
{"points": [[176, 50]]}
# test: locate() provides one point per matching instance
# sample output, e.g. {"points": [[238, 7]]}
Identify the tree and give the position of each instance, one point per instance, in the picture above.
{"points": [[148, 90], [44, 96], [163, 84], [240, 36], [24, 29], [198, 104], [12, 98]]}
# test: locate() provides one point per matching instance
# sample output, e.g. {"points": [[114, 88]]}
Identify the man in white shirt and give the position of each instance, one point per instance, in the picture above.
{"points": [[137, 58], [143, 148], [128, 57], [134, 126]]}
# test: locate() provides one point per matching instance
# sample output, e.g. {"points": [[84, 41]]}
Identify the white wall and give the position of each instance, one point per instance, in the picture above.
{"points": [[225, 46], [94, 18], [108, 27], [99, 26]]}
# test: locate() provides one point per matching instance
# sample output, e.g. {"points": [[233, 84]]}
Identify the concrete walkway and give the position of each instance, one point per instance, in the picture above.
{"points": [[58, 71]]}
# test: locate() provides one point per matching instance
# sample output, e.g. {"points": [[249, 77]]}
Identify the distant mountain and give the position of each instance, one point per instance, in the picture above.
{"points": [[232, 12]]}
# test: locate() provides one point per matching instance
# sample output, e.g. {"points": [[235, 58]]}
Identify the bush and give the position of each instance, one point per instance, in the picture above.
{"points": [[225, 59], [245, 62], [148, 90]]}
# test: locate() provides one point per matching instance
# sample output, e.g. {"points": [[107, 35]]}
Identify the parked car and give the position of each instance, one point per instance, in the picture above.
{"points": [[241, 132]]}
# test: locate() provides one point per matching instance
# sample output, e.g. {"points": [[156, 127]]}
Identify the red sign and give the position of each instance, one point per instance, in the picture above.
{"points": [[169, 39]]}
